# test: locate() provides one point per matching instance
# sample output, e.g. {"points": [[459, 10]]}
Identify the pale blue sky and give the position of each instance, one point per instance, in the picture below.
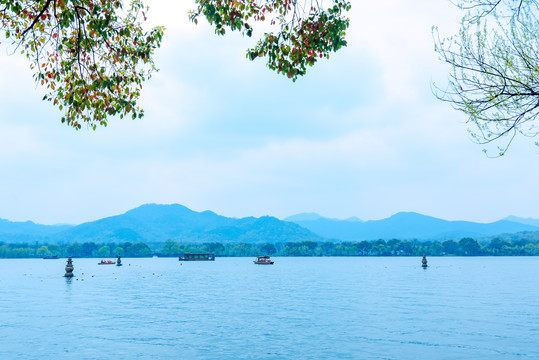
{"points": [[361, 135]]}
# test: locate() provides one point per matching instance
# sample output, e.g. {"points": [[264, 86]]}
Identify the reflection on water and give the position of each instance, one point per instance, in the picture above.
{"points": [[308, 308], [68, 281]]}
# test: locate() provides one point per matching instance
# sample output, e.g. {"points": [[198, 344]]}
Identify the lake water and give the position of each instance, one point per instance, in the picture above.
{"points": [[299, 308]]}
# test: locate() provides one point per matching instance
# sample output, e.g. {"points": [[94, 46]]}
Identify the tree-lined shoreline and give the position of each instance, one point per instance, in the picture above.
{"points": [[497, 246]]}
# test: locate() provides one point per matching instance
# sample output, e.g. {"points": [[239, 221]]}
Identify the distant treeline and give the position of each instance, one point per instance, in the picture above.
{"points": [[498, 246]]}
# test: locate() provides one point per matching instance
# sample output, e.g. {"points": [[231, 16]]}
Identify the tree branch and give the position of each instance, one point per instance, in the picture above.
{"points": [[36, 19]]}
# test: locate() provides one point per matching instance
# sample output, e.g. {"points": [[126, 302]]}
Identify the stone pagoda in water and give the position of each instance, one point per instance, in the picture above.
{"points": [[119, 261], [424, 261], [69, 268]]}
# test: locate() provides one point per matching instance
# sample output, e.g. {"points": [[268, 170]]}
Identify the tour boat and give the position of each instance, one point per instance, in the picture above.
{"points": [[106, 262], [197, 257], [263, 260], [50, 257]]}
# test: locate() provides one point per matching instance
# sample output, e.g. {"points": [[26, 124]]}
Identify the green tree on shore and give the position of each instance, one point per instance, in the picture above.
{"points": [[469, 246], [104, 251], [268, 249], [171, 248], [521, 244], [74, 249], [118, 251], [43, 251], [450, 247], [139, 249], [55, 249]]}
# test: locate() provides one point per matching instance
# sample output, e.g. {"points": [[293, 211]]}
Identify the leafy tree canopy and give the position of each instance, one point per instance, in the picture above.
{"points": [[92, 56], [305, 30], [495, 69]]}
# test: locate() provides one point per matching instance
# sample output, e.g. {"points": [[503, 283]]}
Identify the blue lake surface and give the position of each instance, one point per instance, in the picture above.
{"points": [[299, 308]]}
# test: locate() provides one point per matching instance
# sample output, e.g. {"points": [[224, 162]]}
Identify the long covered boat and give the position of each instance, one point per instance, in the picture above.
{"points": [[197, 257]]}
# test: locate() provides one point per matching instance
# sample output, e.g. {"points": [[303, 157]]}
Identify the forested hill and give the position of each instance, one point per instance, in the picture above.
{"points": [[155, 223]]}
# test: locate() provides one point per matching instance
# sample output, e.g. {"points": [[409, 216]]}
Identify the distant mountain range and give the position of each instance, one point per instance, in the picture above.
{"points": [[28, 231], [153, 223], [527, 221], [314, 217], [409, 225], [29, 227]]}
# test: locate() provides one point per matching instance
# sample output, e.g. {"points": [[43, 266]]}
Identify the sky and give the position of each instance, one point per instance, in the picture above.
{"points": [[360, 135]]}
